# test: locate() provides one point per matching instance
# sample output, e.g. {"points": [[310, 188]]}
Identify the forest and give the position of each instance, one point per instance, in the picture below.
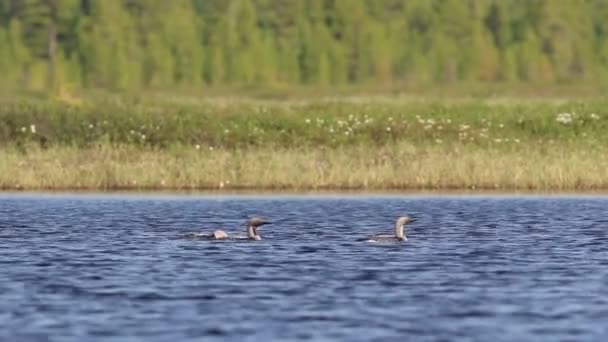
{"points": [[158, 44]]}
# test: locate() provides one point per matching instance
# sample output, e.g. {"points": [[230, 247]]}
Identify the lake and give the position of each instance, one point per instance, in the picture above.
{"points": [[108, 267]]}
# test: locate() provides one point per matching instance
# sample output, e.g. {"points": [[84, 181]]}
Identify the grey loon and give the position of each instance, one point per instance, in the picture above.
{"points": [[399, 234], [252, 232]]}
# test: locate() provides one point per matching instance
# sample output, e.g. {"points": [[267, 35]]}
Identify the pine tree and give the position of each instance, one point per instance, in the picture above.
{"points": [[109, 47], [186, 42], [6, 59], [21, 54], [308, 56], [241, 39], [158, 62], [560, 29], [126, 44]]}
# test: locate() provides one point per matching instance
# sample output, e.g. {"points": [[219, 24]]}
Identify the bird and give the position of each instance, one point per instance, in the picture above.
{"points": [[399, 231], [252, 232]]}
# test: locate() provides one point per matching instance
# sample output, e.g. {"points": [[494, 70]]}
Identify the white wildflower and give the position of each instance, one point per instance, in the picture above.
{"points": [[564, 118], [594, 116], [33, 128]]}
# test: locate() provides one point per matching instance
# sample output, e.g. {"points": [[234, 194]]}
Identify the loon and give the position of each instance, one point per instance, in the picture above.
{"points": [[399, 232], [252, 232]]}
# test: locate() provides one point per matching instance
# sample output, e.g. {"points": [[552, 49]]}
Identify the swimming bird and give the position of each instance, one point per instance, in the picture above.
{"points": [[252, 232], [252, 227], [399, 231]]}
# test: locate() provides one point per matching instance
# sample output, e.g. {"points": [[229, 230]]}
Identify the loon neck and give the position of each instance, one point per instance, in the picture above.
{"points": [[252, 233], [399, 231]]}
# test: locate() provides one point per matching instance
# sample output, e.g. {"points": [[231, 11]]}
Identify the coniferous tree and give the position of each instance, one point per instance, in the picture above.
{"points": [[6, 59], [109, 46], [127, 44], [187, 51], [21, 54]]}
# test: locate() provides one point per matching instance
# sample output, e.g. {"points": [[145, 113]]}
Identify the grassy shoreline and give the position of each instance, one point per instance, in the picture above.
{"points": [[392, 167], [344, 143]]}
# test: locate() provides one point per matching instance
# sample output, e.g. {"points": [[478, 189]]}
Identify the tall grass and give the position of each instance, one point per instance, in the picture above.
{"points": [[369, 142], [396, 166]]}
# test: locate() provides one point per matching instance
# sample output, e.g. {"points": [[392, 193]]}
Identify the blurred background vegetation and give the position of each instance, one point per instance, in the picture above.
{"points": [[159, 44], [304, 94]]}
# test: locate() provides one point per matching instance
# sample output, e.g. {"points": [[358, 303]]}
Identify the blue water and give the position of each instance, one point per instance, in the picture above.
{"points": [[480, 268]]}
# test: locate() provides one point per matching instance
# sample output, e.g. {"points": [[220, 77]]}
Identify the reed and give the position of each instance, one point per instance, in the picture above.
{"points": [[396, 166]]}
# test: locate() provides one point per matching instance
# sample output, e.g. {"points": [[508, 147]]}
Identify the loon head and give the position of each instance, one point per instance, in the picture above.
{"points": [[257, 221], [403, 220], [252, 227], [399, 227]]}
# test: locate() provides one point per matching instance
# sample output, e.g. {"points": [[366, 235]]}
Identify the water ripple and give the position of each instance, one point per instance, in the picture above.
{"points": [[98, 267]]}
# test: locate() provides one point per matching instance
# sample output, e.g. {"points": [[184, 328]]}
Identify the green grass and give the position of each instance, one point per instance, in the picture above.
{"points": [[243, 123], [354, 142]]}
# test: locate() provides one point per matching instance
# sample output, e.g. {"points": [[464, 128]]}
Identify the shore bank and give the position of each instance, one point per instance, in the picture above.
{"points": [[400, 166], [368, 143]]}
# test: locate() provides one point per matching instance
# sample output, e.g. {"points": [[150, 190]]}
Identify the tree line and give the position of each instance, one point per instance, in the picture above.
{"points": [[134, 44]]}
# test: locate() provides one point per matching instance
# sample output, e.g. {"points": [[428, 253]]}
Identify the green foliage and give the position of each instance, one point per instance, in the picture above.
{"points": [[161, 122], [132, 44]]}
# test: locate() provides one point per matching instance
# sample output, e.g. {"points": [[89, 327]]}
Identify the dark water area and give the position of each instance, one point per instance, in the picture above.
{"points": [[475, 268]]}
